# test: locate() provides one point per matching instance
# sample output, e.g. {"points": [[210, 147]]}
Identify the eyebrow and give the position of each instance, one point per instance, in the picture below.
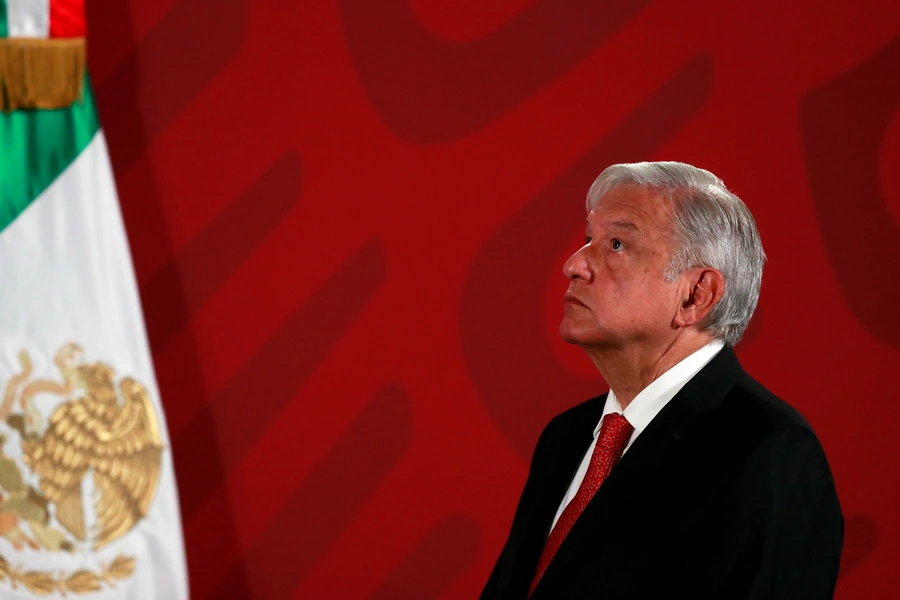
{"points": [[627, 225], [624, 225]]}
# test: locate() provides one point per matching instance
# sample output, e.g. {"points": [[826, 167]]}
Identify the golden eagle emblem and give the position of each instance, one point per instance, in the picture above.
{"points": [[104, 429]]}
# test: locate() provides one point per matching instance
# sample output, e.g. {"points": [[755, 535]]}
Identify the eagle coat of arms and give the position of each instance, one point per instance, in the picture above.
{"points": [[104, 429]]}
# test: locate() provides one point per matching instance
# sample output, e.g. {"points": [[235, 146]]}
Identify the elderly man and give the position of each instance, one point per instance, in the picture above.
{"points": [[688, 479]]}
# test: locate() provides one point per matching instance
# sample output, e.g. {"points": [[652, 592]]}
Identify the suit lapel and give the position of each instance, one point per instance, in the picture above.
{"points": [[656, 446], [531, 533]]}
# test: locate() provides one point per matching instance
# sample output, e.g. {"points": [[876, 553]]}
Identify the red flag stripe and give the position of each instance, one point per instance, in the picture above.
{"points": [[67, 19]]}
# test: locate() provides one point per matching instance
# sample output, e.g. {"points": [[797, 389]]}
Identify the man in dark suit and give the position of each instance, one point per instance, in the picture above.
{"points": [[688, 479]]}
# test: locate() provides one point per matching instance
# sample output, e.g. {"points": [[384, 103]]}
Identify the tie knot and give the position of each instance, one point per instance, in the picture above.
{"points": [[614, 432]]}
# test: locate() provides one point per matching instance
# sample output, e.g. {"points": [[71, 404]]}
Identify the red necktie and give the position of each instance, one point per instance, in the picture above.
{"points": [[614, 432]]}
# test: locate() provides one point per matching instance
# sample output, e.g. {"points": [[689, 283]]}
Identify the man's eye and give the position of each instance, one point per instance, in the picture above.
{"points": [[617, 245], [587, 240]]}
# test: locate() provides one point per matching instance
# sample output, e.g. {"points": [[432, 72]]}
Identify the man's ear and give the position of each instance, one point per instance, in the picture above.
{"points": [[703, 289]]}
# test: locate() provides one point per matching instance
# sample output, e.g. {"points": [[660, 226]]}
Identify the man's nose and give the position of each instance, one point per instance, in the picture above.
{"points": [[577, 267]]}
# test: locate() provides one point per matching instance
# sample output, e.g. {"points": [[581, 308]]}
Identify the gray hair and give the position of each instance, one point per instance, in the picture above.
{"points": [[713, 228]]}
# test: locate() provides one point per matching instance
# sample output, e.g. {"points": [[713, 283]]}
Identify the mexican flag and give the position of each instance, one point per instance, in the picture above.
{"points": [[88, 502]]}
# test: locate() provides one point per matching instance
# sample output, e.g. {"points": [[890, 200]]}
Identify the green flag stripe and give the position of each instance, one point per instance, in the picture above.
{"points": [[36, 146], [4, 29]]}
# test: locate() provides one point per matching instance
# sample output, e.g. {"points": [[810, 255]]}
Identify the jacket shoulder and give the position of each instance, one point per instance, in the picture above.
{"points": [[752, 404]]}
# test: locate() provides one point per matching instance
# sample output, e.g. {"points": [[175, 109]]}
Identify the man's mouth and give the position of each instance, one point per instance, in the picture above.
{"points": [[570, 298]]}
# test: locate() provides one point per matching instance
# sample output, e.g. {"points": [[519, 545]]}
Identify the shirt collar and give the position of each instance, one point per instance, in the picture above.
{"points": [[655, 396]]}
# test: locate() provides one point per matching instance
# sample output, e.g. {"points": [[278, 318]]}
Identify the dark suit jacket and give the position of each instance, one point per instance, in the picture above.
{"points": [[726, 494]]}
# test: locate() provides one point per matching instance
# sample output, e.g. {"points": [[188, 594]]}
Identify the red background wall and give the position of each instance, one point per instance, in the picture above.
{"points": [[349, 219]]}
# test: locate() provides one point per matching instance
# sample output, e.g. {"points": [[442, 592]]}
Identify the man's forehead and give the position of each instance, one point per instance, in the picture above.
{"points": [[631, 208]]}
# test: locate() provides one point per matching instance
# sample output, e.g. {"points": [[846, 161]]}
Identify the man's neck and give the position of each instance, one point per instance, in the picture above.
{"points": [[629, 370]]}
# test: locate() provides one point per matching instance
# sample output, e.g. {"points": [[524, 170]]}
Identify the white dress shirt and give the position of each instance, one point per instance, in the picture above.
{"points": [[643, 408]]}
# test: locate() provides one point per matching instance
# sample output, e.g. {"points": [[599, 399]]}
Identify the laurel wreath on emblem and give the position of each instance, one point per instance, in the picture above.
{"points": [[82, 581], [101, 430]]}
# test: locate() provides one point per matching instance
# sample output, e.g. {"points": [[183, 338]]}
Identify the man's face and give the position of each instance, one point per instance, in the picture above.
{"points": [[618, 293]]}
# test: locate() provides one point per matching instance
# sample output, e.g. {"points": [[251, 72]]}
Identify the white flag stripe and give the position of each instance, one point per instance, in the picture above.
{"points": [[66, 276], [28, 18]]}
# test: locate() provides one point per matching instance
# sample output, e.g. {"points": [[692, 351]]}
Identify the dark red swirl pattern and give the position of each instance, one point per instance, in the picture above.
{"points": [[348, 221]]}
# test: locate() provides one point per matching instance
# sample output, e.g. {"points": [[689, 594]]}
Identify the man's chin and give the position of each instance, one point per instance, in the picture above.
{"points": [[573, 334]]}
